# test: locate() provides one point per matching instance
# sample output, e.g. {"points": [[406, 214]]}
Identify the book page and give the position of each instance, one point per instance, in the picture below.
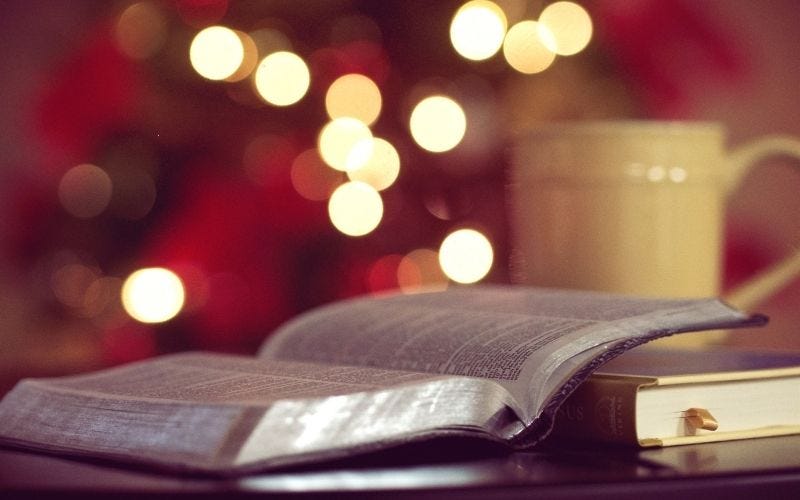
{"points": [[219, 378], [212, 412], [518, 336]]}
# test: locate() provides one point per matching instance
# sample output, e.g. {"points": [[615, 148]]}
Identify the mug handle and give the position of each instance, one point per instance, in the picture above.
{"points": [[757, 289]]}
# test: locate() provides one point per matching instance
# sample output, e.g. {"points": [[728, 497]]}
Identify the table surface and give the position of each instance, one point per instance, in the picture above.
{"points": [[755, 468]]}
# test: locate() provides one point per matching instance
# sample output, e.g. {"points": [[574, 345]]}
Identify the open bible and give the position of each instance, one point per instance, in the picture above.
{"points": [[491, 362]]}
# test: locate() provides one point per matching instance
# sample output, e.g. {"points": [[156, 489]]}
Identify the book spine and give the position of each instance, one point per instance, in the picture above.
{"points": [[600, 409]]}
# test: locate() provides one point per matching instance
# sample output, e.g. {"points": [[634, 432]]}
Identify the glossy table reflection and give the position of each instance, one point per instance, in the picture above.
{"points": [[767, 468]]}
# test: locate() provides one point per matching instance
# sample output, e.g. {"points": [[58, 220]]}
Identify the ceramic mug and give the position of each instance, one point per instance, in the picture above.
{"points": [[631, 206]]}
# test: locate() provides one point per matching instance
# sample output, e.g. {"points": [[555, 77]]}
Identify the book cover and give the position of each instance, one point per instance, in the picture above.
{"points": [[655, 397]]}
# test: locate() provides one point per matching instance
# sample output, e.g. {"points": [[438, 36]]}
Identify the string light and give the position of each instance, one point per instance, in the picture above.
{"points": [[249, 58], [282, 78], [356, 96], [312, 178], [477, 29], [438, 123], [153, 295], [345, 143], [85, 191], [381, 169], [141, 30], [355, 208], [420, 270], [466, 256], [570, 25], [216, 52], [525, 48]]}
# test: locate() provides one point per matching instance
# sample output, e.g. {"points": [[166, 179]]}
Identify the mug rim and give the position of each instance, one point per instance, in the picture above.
{"points": [[625, 127]]}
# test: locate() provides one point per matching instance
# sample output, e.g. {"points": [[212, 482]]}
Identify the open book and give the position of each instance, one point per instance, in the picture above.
{"points": [[355, 376]]}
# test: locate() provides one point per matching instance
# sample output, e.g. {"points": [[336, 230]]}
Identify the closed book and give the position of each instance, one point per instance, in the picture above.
{"points": [[654, 397]]}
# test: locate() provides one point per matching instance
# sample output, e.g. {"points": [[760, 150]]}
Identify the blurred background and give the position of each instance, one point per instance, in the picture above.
{"points": [[189, 174]]}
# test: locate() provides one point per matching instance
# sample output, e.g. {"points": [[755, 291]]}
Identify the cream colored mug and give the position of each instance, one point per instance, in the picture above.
{"points": [[632, 207]]}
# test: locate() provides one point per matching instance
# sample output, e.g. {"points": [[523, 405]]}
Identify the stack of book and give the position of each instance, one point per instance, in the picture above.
{"points": [[504, 364]]}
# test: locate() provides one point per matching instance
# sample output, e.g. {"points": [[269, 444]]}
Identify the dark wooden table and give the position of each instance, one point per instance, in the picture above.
{"points": [[753, 469]]}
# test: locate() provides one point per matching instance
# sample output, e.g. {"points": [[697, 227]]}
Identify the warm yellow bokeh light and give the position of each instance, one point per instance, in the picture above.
{"points": [[85, 190], [216, 52], [282, 78], [355, 208], [141, 30], [525, 50], [381, 169], [355, 96], [345, 143], [70, 283], [570, 25], [249, 58], [312, 178], [419, 270], [438, 124], [477, 29], [153, 295], [466, 256]]}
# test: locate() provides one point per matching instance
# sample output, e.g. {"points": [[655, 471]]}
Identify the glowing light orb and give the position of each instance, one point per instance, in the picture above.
{"points": [[355, 208], [282, 78], [438, 124], [381, 169], [141, 30], [216, 52], [249, 58], [85, 191], [477, 30], [345, 143], [466, 256], [312, 178], [420, 270], [355, 96], [153, 295], [525, 48], [570, 25]]}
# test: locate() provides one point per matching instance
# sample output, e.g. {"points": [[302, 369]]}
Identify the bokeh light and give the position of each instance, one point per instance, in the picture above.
{"points": [[477, 29], [312, 178], [356, 96], [419, 270], [355, 208], [70, 283], [438, 123], [382, 274], [249, 58], [466, 256], [525, 49], [153, 295], [381, 169], [345, 143], [99, 301], [134, 193], [141, 30], [570, 25], [216, 52], [282, 78], [85, 190], [269, 40]]}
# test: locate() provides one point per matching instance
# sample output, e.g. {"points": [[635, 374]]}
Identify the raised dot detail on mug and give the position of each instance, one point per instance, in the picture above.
{"points": [[656, 173], [678, 174]]}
